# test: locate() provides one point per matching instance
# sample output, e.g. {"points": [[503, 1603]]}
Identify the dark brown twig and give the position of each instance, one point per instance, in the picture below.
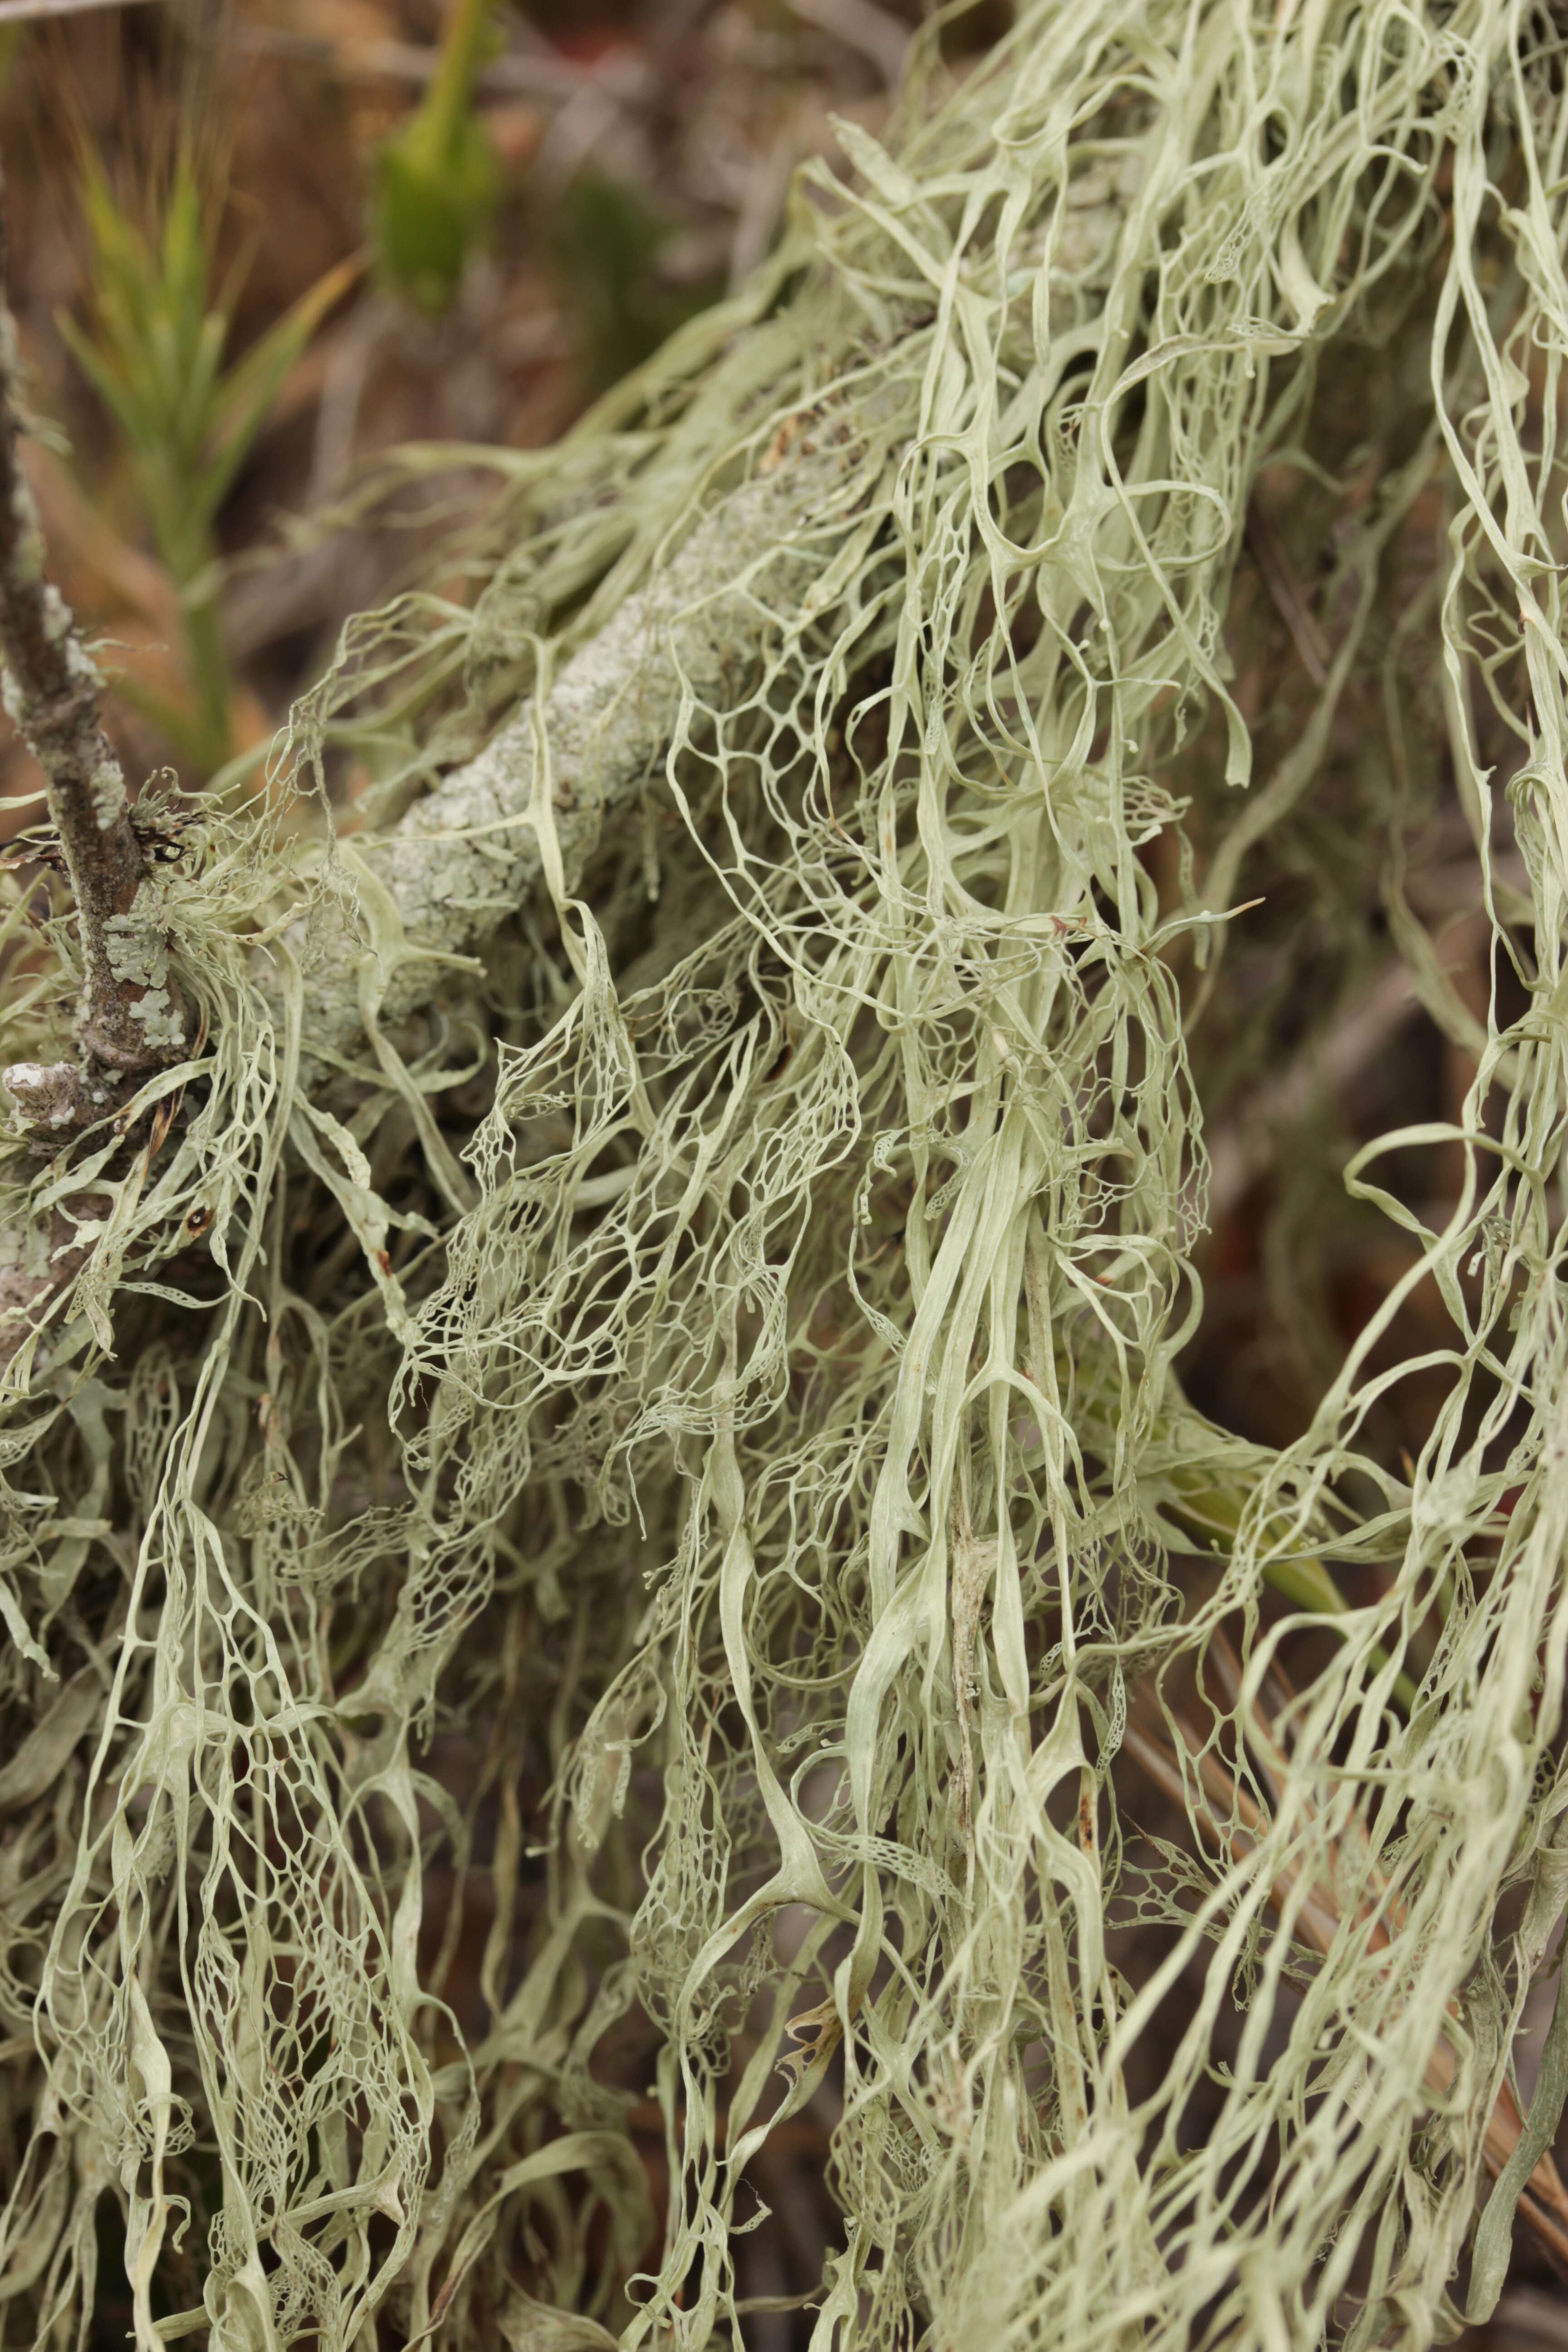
{"points": [[1274, 564], [53, 692]]}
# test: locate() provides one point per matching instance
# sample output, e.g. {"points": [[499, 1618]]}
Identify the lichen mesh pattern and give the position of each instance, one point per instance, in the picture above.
{"points": [[768, 1436]]}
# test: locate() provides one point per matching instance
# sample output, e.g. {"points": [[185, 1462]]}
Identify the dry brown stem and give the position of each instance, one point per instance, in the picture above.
{"points": [[53, 692]]}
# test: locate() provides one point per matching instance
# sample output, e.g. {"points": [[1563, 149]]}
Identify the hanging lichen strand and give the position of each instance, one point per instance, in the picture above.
{"points": [[617, 1414]]}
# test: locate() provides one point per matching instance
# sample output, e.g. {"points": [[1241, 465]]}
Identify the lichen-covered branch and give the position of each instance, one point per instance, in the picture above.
{"points": [[53, 691], [470, 853], [437, 885]]}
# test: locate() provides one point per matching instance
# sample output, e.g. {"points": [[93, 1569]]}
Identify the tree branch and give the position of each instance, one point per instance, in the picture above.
{"points": [[53, 690], [470, 854], [437, 884]]}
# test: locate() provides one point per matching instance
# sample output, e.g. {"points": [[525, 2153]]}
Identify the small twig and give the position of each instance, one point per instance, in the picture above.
{"points": [[1281, 581], [52, 691]]}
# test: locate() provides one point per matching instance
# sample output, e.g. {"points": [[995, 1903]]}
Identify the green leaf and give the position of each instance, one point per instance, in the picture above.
{"points": [[437, 182], [433, 210], [242, 402]]}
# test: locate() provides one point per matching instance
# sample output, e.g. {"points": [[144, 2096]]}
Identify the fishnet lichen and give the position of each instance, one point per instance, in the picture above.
{"points": [[662, 1281]]}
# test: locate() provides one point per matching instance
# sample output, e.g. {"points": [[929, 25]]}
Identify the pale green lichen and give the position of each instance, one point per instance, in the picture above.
{"points": [[790, 1465], [108, 790], [138, 949]]}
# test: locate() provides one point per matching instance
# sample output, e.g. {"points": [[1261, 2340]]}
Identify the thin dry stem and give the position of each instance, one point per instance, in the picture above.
{"points": [[53, 692]]}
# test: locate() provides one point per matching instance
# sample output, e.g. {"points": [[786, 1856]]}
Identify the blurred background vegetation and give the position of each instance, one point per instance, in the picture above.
{"points": [[256, 244]]}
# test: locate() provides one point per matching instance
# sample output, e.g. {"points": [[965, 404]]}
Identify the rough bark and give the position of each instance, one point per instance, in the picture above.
{"points": [[125, 1022]]}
